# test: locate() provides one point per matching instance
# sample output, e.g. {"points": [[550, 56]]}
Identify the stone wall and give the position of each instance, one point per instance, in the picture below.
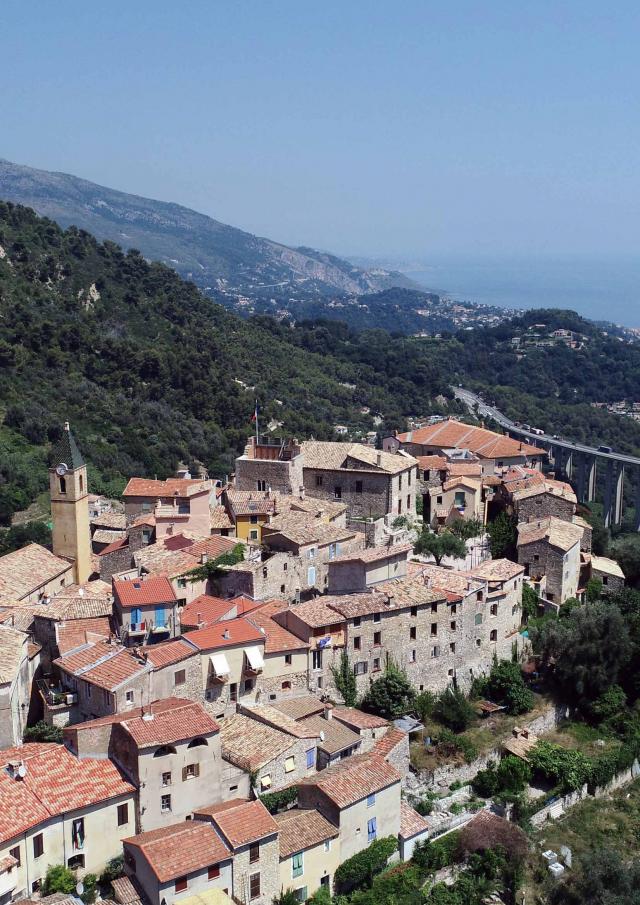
{"points": [[558, 806], [543, 505], [265, 581], [374, 500], [276, 768], [117, 561], [268, 866]]}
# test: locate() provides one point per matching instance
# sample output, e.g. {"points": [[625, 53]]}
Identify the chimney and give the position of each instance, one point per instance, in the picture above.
{"points": [[199, 618], [66, 425], [516, 731], [226, 634], [204, 558], [328, 711], [301, 492], [379, 459]]}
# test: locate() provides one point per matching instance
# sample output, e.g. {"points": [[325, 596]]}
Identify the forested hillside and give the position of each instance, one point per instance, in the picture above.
{"points": [[147, 370]]}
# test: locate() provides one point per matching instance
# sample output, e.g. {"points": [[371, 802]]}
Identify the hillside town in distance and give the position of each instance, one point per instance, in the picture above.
{"points": [[216, 691]]}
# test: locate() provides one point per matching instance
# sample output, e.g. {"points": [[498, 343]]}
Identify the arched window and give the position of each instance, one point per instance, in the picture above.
{"points": [[62, 484], [164, 750], [81, 483], [197, 742]]}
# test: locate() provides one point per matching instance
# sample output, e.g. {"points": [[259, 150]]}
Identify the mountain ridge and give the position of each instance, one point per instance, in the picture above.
{"points": [[218, 258]]}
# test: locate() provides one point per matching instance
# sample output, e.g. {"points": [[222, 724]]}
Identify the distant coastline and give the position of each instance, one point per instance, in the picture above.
{"points": [[601, 289]]}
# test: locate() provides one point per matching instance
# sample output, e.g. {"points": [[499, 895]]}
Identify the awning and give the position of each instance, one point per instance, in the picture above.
{"points": [[254, 656], [220, 664]]}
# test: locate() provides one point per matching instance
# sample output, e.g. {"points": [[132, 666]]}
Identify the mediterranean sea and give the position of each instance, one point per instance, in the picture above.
{"points": [[599, 288]]}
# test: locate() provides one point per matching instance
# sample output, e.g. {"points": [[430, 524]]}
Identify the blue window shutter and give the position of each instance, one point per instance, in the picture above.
{"points": [[136, 615]]}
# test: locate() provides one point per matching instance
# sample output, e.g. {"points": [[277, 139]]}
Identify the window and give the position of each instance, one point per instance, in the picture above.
{"points": [[248, 685], [536, 557], [439, 500], [164, 751], [265, 572], [38, 845], [493, 635], [312, 553], [478, 619], [360, 668], [435, 652], [356, 642], [166, 779], [128, 697], [297, 865], [161, 617], [282, 589], [35, 886], [191, 771], [253, 519], [182, 582], [289, 765], [478, 642], [254, 853], [399, 482], [377, 639], [408, 501], [261, 485], [181, 884], [377, 617], [454, 609], [414, 611], [452, 647], [318, 480], [265, 781], [301, 893], [434, 607], [332, 551], [213, 872], [15, 853], [253, 535], [311, 575], [327, 848], [254, 886], [62, 485], [81, 481], [288, 659], [337, 492], [412, 658], [311, 758], [479, 595], [180, 677], [358, 486], [460, 500], [285, 567], [316, 659], [77, 833], [165, 804], [123, 814], [356, 622], [319, 681], [434, 629], [286, 685], [371, 800], [376, 664], [494, 609], [453, 625], [372, 829]]}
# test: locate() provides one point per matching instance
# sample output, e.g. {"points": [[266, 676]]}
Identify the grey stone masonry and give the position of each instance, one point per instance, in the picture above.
{"points": [[266, 866]]}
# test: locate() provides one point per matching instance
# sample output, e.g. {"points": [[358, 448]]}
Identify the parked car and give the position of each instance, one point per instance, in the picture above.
{"points": [[605, 449], [526, 427]]}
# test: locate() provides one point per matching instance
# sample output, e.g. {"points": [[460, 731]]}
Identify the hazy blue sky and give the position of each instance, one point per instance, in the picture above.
{"points": [[407, 127]]}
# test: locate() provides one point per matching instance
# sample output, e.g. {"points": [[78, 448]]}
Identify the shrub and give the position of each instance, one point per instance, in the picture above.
{"points": [[359, 870], [449, 744], [431, 856], [610, 702], [423, 705], [454, 710], [42, 732], [565, 768], [278, 801], [506, 686], [510, 777], [113, 870], [490, 833]]}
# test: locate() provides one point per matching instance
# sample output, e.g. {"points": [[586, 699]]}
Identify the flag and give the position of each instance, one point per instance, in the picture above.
{"points": [[254, 417]]}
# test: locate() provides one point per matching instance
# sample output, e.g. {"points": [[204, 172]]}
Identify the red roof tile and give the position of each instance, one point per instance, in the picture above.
{"points": [[225, 634], [453, 434], [179, 487], [353, 779], [180, 849], [240, 822], [76, 633], [174, 651], [277, 638], [411, 823], [143, 592], [358, 718], [302, 829], [102, 664], [183, 720], [204, 609], [388, 742]]}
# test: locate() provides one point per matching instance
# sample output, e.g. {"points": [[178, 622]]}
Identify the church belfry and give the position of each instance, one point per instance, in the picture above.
{"points": [[70, 506]]}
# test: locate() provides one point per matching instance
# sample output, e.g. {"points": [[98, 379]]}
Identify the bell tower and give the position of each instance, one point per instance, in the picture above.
{"points": [[70, 506]]}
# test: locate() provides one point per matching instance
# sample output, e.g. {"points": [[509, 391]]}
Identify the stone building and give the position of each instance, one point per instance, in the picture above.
{"points": [[371, 482], [368, 726], [177, 504], [546, 500], [286, 657], [32, 574], [609, 573], [251, 834], [205, 862], [145, 610], [549, 550], [356, 571], [249, 511], [270, 464], [169, 750], [263, 578], [68, 489], [458, 497], [360, 796], [18, 665]]}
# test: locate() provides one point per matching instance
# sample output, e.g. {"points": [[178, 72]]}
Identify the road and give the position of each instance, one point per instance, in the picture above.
{"points": [[489, 411]]}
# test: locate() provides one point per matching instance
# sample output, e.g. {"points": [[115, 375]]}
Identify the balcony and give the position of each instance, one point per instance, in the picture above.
{"points": [[55, 698], [138, 628], [8, 879], [327, 640]]}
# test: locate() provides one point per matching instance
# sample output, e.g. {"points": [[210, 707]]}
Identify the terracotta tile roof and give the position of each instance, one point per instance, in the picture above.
{"points": [[107, 536], [225, 634], [312, 507], [241, 822], [277, 638], [375, 554], [427, 463], [337, 736], [358, 718], [352, 605], [556, 489], [110, 520], [160, 559], [174, 651], [170, 724], [332, 456], [415, 590], [179, 849], [143, 592], [460, 481], [353, 779], [264, 713], [220, 521], [101, 664], [55, 783], [302, 531], [251, 502], [116, 545], [65, 609], [302, 829], [25, 570], [13, 651], [299, 708], [76, 633], [468, 469], [560, 534], [316, 613], [20, 615], [497, 570], [389, 741], [520, 744], [456, 435], [204, 610], [124, 891], [449, 580], [249, 744], [411, 823], [178, 487]]}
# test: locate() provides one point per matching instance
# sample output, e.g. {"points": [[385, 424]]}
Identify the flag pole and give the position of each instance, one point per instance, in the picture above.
{"points": [[257, 432]]}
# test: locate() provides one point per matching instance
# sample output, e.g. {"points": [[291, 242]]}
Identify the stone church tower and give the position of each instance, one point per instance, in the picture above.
{"points": [[70, 506]]}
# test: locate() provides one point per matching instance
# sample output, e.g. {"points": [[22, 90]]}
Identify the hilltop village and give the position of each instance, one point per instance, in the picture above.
{"points": [[187, 683]]}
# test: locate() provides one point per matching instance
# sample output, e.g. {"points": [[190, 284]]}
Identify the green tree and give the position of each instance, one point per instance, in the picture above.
{"points": [[505, 686], [503, 536], [345, 680], [626, 552], [423, 705], [565, 767], [454, 710], [440, 545], [508, 778], [610, 703], [213, 567], [390, 696], [43, 732], [61, 879], [530, 603], [18, 536], [594, 590], [586, 652], [467, 528]]}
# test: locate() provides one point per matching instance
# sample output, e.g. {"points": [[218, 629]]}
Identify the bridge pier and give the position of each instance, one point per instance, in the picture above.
{"points": [[636, 518], [586, 478], [614, 480]]}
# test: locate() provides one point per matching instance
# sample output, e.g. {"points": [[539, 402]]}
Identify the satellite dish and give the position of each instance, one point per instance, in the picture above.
{"points": [[22, 771], [80, 887]]}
